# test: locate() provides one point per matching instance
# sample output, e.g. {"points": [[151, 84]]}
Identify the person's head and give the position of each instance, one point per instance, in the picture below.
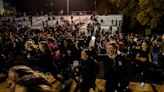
{"points": [[111, 48], [50, 40], [65, 43], [17, 72], [76, 64], [103, 43], [91, 45], [121, 45], [43, 47], [144, 46], [30, 45], [32, 83], [84, 54], [73, 39], [111, 37]]}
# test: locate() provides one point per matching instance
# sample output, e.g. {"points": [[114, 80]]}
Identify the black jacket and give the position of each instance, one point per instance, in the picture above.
{"points": [[117, 70], [89, 70]]}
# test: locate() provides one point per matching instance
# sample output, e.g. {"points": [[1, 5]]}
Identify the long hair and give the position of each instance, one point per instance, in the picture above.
{"points": [[21, 70], [34, 83], [18, 72]]}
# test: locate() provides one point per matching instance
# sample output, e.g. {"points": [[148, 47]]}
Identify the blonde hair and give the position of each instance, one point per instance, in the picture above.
{"points": [[34, 83], [29, 45], [45, 48], [115, 45], [20, 67], [19, 71]]}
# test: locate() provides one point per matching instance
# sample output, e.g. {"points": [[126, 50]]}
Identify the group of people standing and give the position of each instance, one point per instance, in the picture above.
{"points": [[66, 52]]}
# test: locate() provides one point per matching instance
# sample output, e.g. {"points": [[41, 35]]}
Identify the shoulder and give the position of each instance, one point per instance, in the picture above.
{"points": [[122, 60], [121, 53], [105, 57], [121, 57]]}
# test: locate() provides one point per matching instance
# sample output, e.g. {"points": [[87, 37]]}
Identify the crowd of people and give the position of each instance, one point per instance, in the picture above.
{"points": [[67, 52]]}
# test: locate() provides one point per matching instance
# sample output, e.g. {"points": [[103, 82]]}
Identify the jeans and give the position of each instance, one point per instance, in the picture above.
{"points": [[155, 57]]}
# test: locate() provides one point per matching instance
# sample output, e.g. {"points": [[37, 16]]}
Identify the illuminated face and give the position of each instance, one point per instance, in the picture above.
{"points": [[144, 46], [75, 64], [84, 56], [91, 44], [41, 47], [110, 50]]}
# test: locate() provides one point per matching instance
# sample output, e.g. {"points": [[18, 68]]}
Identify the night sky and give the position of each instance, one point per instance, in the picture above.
{"points": [[45, 5]]}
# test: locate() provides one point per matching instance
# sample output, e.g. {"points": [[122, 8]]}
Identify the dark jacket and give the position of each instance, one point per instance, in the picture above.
{"points": [[89, 70], [118, 70]]}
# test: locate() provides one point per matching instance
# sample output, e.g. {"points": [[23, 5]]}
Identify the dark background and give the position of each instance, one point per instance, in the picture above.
{"points": [[46, 6]]}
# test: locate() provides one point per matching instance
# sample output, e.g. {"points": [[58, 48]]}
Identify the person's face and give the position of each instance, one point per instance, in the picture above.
{"points": [[40, 47], [19, 88], [11, 79], [65, 43], [110, 50], [144, 46], [84, 56], [73, 39], [103, 43], [91, 44], [75, 64], [121, 45]]}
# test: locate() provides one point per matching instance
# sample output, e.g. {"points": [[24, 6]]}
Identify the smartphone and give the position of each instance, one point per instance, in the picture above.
{"points": [[93, 39]]}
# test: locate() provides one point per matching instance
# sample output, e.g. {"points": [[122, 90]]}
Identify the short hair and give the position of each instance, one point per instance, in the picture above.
{"points": [[86, 51], [115, 46]]}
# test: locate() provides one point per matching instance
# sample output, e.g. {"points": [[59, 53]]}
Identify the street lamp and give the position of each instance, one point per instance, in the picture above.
{"points": [[67, 7]]}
